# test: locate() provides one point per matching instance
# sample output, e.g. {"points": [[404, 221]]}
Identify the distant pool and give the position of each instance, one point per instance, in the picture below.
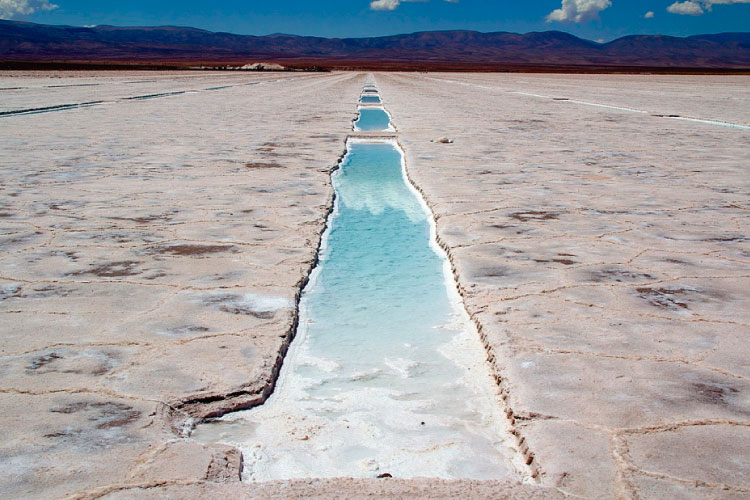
{"points": [[370, 99], [373, 119], [386, 374]]}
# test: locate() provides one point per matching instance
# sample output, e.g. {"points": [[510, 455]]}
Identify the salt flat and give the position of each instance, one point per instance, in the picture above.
{"points": [[153, 251], [33, 90], [605, 255]]}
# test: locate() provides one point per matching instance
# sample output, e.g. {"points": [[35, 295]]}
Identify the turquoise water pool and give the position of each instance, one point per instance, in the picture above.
{"points": [[386, 374], [370, 99], [373, 119]]}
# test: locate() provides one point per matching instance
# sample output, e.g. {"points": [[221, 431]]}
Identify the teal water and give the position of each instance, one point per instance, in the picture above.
{"points": [[386, 374], [370, 99], [381, 283], [373, 119]]}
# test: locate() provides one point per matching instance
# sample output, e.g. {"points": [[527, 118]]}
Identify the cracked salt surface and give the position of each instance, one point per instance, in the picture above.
{"points": [[387, 374]]}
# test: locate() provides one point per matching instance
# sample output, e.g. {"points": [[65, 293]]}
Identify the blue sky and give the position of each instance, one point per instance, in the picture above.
{"points": [[593, 19]]}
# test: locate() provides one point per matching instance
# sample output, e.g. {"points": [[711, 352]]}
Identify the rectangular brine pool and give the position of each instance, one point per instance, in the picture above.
{"points": [[373, 119], [370, 99], [386, 374]]}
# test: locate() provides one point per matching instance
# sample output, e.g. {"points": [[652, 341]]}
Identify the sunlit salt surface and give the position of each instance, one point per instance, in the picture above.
{"points": [[369, 99], [373, 119], [386, 374]]}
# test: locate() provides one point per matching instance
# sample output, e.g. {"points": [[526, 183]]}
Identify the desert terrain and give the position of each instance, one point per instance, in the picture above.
{"points": [[157, 229]]}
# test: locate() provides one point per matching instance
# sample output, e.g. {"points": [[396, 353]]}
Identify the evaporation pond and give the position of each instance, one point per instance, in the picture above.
{"points": [[373, 119], [385, 374], [370, 99]]}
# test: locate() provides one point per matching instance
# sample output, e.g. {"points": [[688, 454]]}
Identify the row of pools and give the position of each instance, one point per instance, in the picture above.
{"points": [[372, 118], [386, 375]]}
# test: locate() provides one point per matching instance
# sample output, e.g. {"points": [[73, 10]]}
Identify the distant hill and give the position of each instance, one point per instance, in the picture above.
{"points": [[20, 41]]}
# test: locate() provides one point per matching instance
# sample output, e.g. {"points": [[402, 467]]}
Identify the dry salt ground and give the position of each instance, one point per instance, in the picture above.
{"points": [[155, 241]]}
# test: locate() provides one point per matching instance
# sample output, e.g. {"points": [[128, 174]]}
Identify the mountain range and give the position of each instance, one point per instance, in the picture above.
{"points": [[22, 41]]}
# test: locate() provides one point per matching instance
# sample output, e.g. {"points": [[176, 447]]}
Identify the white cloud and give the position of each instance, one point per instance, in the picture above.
{"points": [[698, 7], [392, 4], [578, 11], [12, 8], [649, 15], [384, 4], [689, 8]]}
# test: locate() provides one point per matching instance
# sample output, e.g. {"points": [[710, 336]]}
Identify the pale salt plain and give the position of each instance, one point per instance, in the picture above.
{"points": [[155, 245]]}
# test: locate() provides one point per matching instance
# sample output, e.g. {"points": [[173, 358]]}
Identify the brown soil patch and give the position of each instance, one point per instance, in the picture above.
{"points": [[663, 297], [192, 250], [534, 215], [111, 269], [254, 165]]}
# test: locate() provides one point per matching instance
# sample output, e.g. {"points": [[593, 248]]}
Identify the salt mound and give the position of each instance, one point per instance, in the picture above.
{"points": [[263, 66]]}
